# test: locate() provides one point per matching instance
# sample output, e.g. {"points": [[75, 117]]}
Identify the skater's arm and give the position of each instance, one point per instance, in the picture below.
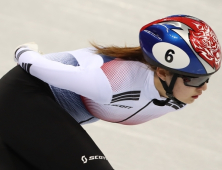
{"points": [[91, 83]]}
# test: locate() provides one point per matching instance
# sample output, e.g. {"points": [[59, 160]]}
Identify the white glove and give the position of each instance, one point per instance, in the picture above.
{"points": [[30, 46]]}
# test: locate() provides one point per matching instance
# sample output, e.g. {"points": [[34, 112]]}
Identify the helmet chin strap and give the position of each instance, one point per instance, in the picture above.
{"points": [[169, 92]]}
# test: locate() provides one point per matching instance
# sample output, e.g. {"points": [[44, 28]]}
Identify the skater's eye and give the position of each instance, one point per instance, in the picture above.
{"points": [[186, 79]]}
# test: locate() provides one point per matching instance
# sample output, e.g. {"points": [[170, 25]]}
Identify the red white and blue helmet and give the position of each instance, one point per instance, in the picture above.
{"points": [[181, 44]]}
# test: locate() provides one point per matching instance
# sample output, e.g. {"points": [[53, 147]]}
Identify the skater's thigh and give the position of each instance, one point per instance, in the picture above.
{"points": [[36, 128]]}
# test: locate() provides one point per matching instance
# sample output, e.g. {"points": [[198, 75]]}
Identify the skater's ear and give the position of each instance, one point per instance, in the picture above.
{"points": [[162, 73]]}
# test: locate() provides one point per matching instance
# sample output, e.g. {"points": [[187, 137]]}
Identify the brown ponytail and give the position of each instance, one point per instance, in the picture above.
{"points": [[125, 53]]}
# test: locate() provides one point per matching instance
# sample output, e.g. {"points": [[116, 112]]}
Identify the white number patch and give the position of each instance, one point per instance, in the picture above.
{"points": [[170, 55]]}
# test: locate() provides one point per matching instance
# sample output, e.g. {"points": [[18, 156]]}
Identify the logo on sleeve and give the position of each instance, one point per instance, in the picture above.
{"points": [[26, 67]]}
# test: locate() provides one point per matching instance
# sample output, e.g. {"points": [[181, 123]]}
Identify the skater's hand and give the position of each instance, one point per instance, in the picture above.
{"points": [[31, 46]]}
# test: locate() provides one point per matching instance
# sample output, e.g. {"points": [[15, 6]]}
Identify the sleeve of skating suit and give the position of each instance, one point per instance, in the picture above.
{"points": [[88, 82]]}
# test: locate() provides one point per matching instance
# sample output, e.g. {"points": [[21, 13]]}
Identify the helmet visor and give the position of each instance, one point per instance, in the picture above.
{"points": [[194, 81]]}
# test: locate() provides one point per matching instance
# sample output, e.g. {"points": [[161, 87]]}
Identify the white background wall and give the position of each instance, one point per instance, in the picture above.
{"points": [[186, 140]]}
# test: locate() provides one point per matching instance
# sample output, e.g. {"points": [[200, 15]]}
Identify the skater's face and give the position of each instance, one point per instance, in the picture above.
{"points": [[182, 92]]}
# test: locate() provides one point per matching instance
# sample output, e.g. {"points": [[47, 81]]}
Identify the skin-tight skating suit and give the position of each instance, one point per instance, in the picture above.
{"points": [[45, 100]]}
